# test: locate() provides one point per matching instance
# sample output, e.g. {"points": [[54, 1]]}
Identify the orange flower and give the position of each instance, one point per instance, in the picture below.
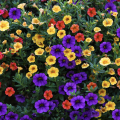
{"points": [[13, 66], [9, 91], [74, 28], [66, 104], [48, 94], [91, 84], [118, 84], [5, 66], [79, 37]]}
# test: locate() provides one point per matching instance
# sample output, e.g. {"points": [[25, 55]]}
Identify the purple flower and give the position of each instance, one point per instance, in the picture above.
{"points": [[61, 89], [107, 97], [78, 102], [73, 114], [14, 13], [11, 116], [3, 109], [42, 106], [82, 58], [116, 114], [118, 32], [20, 98], [25, 117], [68, 41], [70, 64], [86, 109], [70, 74], [111, 7], [40, 79], [112, 0], [83, 76], [76, 78], [2, 118], [77, 50], [57, 50], [51, 105], [86, 115], [94, 113], [69, 87], [91, 99], [105, 47], [62, 61], [56, 102], [33, 115]]}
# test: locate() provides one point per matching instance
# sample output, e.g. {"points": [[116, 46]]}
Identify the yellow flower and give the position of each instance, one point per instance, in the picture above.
{"points": [[100, 113], [4, 42], [51, 30], [4, 25], [6, 52], [110, 105], [39, 38], [35, 21], [12, 35], [67, 19], [19, 69], [51, 60], [33, 39], [91, 48], [108, 22], [103, 109], [28, 75], [88, 40], [71, 56], [113, 80], [1, 70], [31, 27], [78, 62], [21, 5], [97, 29], [53, 72], [105, 61], [92, 77], [111, 71], [18, 32], [102, 92], [86, 52], [24, 24], [67, 51], [101, 101], [30, 13], [17, 46], [16, 20], [70, 2], [116, 39], [13, 50], [28, 35], [48, 49], [34, 5], [33, 68], [61, 33], [85, 65], [115, 14], [105, 84], [39, 51], [31, 59], [117, 61], [56, 8]]}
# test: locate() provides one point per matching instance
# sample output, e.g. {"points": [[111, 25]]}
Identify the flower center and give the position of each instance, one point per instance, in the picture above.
{"points": [[77, 101], [41, 105], [14, 12], [69, 88], [76, 51], [91, 98], [39, 78], [68, 40], [57, 50], [69, 64]]}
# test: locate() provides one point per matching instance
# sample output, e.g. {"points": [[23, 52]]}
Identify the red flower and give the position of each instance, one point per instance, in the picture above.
{"points": [[91, 12], [74, 28], [19, 40], [118, 71], [79, 37], [48, 94], [60, 25], [52, 21], [108, 0], [5, 14], [1, 56], [98, 37], [66, 105], [9, 91], [118, 0], [13, 66], [91, 84], [0, 84]]}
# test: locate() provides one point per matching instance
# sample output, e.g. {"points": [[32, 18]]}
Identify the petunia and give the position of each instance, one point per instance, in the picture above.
{"points": [[105, 47], [3, 109], [20, 98], [11, 116], [25, 117]]}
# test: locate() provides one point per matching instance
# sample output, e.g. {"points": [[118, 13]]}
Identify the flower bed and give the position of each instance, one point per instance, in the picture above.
{"points": [[59, 60]]}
